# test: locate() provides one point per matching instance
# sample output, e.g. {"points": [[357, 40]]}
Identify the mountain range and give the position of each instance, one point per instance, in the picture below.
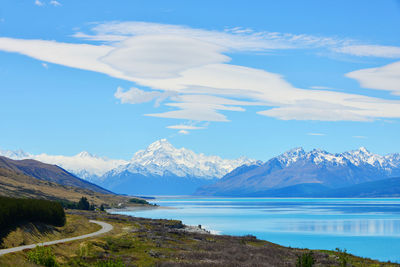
{"points": [[300, 173], [160, 169]]}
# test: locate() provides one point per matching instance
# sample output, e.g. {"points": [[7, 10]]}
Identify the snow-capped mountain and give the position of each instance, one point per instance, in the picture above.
{"points": [[83, 165], [357, 157], [158, 167], [161, 158], [299, 172], [162, 169]]}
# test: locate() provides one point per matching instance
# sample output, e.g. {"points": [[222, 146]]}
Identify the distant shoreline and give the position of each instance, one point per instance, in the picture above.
{"points": [[137, 208]]}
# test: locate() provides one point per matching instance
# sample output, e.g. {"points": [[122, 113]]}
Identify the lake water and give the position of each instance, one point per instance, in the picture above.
{"points": [[365, 227]]}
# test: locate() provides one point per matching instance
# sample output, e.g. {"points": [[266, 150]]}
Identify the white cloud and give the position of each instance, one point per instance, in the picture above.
{"points": [[39, 3], [381, 78], [233, 39], [316, 134], [183, 132], [162, 56], [370, 50], [55, 3], [322, 87], [185, 127], [44, 65], [189, 70], [137, 96], [360, 137]]}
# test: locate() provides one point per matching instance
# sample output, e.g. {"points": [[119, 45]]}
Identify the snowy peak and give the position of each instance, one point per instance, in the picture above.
{"points": [[85, 154], [363, 156], [161, 145], [357, 157], [162, 158]]}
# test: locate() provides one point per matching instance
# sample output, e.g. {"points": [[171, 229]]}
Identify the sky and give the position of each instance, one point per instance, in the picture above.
{"points": [[227, 78]]}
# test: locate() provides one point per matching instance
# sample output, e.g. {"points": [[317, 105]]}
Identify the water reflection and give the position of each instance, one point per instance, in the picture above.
{"points": [[356, 227]]}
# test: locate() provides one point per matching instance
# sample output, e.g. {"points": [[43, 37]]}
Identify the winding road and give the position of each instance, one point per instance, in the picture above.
{"points": [[105, 227]]}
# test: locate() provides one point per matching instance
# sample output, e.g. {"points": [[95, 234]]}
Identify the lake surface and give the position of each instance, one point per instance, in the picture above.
{"points": [[365, 227]]}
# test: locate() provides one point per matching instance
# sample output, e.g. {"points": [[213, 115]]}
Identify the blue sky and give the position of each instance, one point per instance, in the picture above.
{"points": [[230, 78]]}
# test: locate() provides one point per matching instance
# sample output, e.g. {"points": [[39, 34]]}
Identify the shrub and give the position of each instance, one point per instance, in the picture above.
{"points": [[138, 201], [42, 256], [343, 257], [305, 260]]}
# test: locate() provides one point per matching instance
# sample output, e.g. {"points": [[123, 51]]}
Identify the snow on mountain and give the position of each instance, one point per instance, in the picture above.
{"points": [[159, 158], [84, 164], [16, 155], [357, 157], [162, 159]]}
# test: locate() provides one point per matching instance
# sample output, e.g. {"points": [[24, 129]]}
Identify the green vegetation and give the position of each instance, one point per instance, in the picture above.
{"points": [[343, 257], [305, 260], [42, 256], [14, 211], [138, 201], [110, 263], [83, 204]]}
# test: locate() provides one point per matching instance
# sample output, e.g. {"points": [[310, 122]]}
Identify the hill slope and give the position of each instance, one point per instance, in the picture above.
{"points": [[47, 172], [14, 184]]}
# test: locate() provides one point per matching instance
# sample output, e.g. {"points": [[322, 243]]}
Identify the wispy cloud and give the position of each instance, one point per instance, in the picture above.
{"points": [[44, 65], [137, 96], [55, 3], [39, 3], [185, 127], [188, 69], [316, 134], [370, 51], [183, 132]]}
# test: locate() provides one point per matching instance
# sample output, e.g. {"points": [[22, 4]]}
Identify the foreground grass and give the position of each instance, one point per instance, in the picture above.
{"points": [[147, 242]]}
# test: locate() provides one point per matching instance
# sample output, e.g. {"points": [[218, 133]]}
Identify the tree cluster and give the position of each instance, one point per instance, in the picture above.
{"points": [[14, 211]]}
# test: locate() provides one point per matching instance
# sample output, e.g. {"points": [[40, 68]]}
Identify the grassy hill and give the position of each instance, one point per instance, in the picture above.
{"points": [[47, 172], [13, 184]]}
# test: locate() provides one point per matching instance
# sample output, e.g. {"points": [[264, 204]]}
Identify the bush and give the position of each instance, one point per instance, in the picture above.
{"points": [[343, 257], [138, 201], [14, 211], [42, 256], [83, 204], [305, 260]]}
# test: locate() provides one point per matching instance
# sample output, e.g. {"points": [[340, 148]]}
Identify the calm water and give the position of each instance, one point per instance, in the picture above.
{"points": [[365, 227]]}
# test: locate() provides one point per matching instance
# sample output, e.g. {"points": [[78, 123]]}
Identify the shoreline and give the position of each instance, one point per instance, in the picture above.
{"points": [[138, 208]]}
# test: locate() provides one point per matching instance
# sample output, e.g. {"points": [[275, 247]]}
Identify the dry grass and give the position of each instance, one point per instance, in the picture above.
{"points": [[13, 184]]}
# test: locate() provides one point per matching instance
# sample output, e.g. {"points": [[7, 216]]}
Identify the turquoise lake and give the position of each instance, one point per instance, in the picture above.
{"points": [[365, 227]]}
